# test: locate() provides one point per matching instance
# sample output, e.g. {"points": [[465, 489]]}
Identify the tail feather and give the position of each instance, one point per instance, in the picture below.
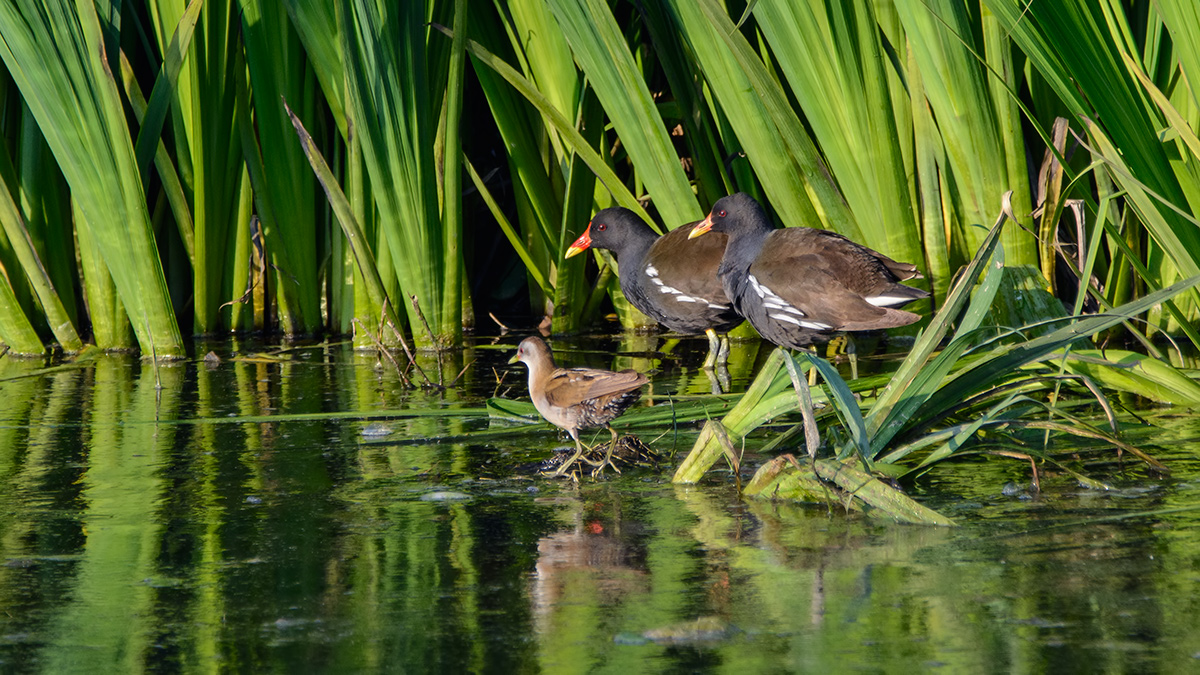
{"points": [[893, 318]]}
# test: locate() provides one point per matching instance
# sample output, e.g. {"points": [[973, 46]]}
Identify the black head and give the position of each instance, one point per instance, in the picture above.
{"points": [[734, 213], [612, 229]]}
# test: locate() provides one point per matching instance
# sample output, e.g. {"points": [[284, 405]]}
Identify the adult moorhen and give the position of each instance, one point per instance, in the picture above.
{"points": [[671, 279], [577, 398], [797, 284]]}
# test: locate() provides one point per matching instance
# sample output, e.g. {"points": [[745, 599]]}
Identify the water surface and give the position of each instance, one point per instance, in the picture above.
{"points": [[299, 510]]}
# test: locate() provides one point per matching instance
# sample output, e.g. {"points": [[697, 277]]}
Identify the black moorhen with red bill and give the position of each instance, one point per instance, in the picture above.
{"points": [[671, 279], [796, 284]]}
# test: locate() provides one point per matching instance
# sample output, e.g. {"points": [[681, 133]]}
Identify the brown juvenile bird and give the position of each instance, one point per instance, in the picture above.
{"points": [[577, 398]]}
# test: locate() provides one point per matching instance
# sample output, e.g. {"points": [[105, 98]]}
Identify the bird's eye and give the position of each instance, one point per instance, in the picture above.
{"points": [[602, 227], [721, 213]]}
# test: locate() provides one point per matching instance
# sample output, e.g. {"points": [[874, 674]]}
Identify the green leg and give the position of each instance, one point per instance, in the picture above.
{"points": [[844, 341], [812, 370], [562, 470], [714, 349], [612, 445], [714, 382], [717, 362], [852, 353]]}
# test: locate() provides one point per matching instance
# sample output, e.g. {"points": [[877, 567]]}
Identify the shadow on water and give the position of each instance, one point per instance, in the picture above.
{"points": [[301, 512]]}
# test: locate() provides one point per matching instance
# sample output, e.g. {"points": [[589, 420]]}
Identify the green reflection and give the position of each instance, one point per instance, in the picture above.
{"points": [[133, 541], [106, 623]]}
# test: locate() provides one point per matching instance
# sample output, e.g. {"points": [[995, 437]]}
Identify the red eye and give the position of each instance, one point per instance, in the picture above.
{"points": [[721, 213], [602, 227]]}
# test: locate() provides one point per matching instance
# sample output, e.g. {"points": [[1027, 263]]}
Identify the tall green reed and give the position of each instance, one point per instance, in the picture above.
{"points": [[55, 54]]}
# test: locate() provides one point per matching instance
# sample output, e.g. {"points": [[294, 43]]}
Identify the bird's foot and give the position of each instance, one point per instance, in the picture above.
{"points": [[570, 467], [606, 461]]}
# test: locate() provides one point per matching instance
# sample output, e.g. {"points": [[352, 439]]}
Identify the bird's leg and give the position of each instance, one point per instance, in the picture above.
{"points": [[812, 370], [723, 363], [612, 445], [713, 383], [844, 343], [852, 353], [716, 363], [574, 458], [714, 349]]}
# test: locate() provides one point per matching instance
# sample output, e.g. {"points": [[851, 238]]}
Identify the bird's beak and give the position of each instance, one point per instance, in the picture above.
{"points": [[704, 226], [516, 358], [582, 243]]}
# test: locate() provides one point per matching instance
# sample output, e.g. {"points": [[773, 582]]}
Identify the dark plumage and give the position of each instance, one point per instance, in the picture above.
{"points": [[671, 278], [796, 284], [577, 398]]}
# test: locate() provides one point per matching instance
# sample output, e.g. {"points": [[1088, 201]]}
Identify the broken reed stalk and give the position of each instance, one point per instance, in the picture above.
{"points": [[432, 339], [812, 437]]}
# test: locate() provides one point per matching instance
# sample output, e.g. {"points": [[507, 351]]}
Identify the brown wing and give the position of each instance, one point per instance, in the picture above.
{"points": [[802, 283], [571, 386], [690, 265], [901, 271], [827, 277]]}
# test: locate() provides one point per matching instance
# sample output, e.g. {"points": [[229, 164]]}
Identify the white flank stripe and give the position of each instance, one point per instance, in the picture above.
{"points": [[816, 326], [785, 317], [718, 306], [668, 289], [652, 271], [687, 298], [772, 301], [758, 288]]}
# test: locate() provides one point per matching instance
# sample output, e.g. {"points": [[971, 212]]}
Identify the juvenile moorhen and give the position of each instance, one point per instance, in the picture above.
{"points": [[671, 278], [577, 398], [797, 284]]}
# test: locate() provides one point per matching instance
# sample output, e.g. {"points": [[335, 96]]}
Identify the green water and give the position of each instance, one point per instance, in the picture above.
{"points": [[204, 518]]}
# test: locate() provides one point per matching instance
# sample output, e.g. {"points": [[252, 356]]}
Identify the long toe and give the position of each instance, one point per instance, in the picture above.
{"points": [[585, 459], [562, 470], [599, 470]]}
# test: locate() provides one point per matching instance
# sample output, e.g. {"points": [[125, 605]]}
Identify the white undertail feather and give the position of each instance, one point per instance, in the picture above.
{"points": [[887, 300]]}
